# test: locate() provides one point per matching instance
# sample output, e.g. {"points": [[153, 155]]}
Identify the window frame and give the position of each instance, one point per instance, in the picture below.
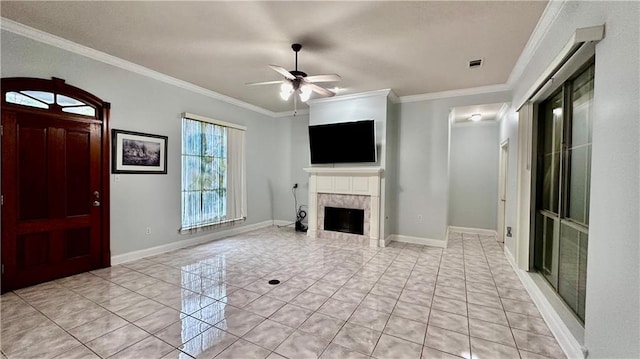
{"points": [[205, 224]]}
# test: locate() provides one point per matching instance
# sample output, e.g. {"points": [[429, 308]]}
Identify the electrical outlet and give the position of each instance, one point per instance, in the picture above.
{"points": [[420, 218], [148, 231], [508, 231], [116, 178]]}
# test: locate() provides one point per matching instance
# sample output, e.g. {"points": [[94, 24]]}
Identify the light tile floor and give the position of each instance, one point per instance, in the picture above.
{"points": [[335, 300]]}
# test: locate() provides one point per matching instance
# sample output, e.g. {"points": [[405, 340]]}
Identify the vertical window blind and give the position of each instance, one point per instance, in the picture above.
{"points": [[213, 173]]}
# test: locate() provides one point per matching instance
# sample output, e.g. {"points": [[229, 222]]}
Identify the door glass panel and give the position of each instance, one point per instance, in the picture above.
{"points": [[80, 110], [20, 99], [580, 148], [46, 97], [582, 273], [572, 271], [67, 101], [547, 262], [552, 144]]}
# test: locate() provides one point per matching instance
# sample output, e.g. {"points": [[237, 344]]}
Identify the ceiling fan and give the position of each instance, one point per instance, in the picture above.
{"points": [[297, 83]]}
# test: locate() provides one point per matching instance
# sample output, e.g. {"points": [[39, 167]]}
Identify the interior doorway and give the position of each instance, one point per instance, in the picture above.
{"points": [[502, 190], [55, 181]]}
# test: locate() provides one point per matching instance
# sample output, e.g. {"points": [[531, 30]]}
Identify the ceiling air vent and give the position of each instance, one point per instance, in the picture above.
{"points": [[473, 64]]}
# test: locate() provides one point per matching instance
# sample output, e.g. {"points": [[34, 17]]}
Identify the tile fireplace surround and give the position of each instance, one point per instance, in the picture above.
{"points": [[352, 187]]}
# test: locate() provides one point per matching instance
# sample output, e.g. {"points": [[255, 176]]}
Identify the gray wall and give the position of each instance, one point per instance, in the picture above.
{"points": [[143, 104], [294, 136], [473, 181], [423, 163], [391, 171], [509, 132], [612, 323]]}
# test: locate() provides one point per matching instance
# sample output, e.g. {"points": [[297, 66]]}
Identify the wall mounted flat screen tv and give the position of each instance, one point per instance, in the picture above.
{"points": [[347, 142]]}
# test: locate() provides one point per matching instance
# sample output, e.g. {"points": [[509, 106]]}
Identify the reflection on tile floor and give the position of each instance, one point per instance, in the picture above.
{"points": [[335, 300]]}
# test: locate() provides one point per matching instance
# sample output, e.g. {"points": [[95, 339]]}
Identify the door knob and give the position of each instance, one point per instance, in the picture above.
{"points": [[96, 203]]}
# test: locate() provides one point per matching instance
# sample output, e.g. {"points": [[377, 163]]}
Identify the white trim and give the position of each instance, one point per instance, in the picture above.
{"points": [[385, 242], [543, 26], [53, 40], [131, 256], [473, 230], [578, 38], [384, 92], [344, 170], [418, 240], [454, 93], [503, 111], [282, 222], [566, 340], [393, 97], [192, 116]]}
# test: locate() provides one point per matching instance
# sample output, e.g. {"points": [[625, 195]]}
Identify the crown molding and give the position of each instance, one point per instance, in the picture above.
{"points": [[454, 93], [503, 111], [53, 40], [548, 18], [384, 92]]}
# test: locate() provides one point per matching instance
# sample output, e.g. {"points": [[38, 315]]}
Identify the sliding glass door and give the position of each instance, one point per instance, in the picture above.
{"points": [[563, 183]]}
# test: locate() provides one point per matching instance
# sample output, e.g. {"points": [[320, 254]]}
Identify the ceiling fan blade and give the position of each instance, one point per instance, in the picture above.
{"points": [[282, 71], [323, 78], [321, 90], [263, 83]]}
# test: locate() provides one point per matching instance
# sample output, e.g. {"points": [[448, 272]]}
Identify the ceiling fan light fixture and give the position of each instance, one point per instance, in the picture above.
{"points": [[305, 93], [286, 89]]}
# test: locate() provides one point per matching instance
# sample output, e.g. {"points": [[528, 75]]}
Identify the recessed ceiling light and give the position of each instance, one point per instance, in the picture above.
{"points": [[475, 117]]}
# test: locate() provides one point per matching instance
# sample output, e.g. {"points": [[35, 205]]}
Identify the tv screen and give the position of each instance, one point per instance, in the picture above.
{"points": [[347, 142]]}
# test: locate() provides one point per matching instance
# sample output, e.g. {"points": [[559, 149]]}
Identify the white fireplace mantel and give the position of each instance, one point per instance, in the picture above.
{"points": [[360, 181], [345, 170]]}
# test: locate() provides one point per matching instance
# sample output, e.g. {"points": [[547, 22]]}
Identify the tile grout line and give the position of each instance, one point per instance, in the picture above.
{"points": [[500, 299]]}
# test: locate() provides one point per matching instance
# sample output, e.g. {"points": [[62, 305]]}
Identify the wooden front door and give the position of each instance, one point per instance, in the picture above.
{"points": [[54, 182]]}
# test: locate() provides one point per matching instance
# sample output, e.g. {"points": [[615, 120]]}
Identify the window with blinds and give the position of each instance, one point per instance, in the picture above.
{"points": [[213, 179]]}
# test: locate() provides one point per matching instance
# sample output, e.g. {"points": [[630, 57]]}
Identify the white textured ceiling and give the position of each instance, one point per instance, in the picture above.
{"points": [[410, 47]]}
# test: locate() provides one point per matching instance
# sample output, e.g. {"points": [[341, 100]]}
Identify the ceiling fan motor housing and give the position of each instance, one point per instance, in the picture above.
{"points": [[297, 73]]}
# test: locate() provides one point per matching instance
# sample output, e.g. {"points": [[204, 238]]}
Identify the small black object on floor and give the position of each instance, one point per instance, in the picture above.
{"points": [[299, 217], [274, 282]]}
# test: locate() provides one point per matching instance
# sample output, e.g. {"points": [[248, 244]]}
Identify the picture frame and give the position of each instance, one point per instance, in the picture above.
{"points": [[137, 152]]}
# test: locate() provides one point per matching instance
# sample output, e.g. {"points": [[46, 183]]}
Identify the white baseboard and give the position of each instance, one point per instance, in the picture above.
{"points": [[509, 256], [131, 256], [385, 242], [473, 230], [418, 240], [571, 347], [281, 222]]}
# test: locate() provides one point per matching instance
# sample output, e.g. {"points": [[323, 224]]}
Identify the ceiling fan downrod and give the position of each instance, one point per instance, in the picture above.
{"points": [[296, 48]]}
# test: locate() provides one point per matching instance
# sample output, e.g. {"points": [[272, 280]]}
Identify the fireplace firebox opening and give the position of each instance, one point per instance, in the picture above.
{"points": [[346, 220]]}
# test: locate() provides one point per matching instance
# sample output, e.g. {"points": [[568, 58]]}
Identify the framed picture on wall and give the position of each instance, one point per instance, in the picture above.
{"points": [[135, 152]]}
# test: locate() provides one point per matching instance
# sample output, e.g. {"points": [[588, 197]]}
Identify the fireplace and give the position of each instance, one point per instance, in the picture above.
{"points": [[356, 189], [346, 220]]}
